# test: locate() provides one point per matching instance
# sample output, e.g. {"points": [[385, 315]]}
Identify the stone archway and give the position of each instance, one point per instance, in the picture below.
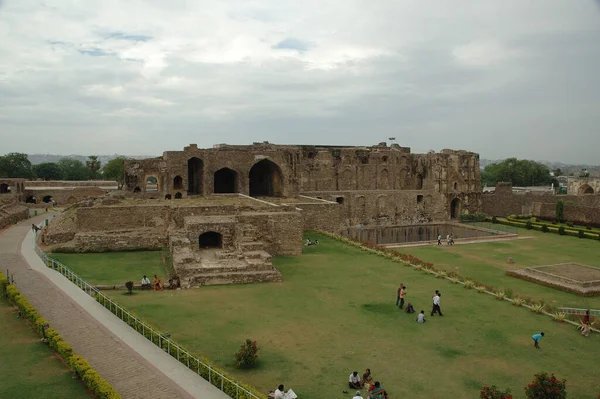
{"points": [[455, 208], [210, 239], [151, 184], [586, 189], [30, 199], [137, 190], [178, 195], [225, 181], [266, 179], [4, 188], [419, 183], [168, 197], [47, 199], [178, 183], [195, 176]]}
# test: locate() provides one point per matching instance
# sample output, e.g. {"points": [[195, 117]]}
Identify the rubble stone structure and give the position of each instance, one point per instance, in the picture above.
{"points": [[11, 198], [223, 212], [583, 185]]}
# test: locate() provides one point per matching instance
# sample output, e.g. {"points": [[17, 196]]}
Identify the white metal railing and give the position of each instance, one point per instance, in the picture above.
{"points": [[232, 388], [580, 312]]}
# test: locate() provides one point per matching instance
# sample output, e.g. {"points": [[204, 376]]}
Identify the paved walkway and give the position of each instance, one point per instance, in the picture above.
{"points": [[133, 365]]}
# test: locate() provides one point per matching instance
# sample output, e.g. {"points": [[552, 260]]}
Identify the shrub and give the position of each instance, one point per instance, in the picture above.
{"points": [[529, 225], [494, 219], [545, 228], [129, 286], [442, 274], [472, 217], [561, 230], [500, 295], [247, 355], [469, 284], [580, 234], [560, 211], [509, 293], [559, 317], [518, 301], [588, 227], [480, 289], [569, 224], [538, 307], [545, 386], [494, 393]]}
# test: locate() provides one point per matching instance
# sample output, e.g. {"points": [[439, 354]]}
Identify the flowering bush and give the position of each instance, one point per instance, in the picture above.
{"points": [[247, 355], [494, 393], [546, 386]]}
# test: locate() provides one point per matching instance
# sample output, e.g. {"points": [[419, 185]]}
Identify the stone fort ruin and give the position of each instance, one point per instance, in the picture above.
{"points": [[223, 212]]}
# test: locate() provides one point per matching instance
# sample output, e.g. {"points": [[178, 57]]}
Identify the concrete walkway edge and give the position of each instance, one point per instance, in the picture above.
{"points": [[189, 381]]}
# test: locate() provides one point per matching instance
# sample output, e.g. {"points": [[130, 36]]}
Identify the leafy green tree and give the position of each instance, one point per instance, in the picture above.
{"points": [[560, 211], [518, 172], [15, 164], [115, 170], [558, 172], [93, 166], [73, 169], [47, 171]]}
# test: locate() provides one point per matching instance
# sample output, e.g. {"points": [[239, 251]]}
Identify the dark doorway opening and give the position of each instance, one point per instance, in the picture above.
{"points": [[210, 239], [178, 195], [454, 208], [168, 197], [195, 176], [225, 181], [137, 190], [30, 200], [340, 200], [178, 183], [266, 180], [4, 188], [47, 199]]}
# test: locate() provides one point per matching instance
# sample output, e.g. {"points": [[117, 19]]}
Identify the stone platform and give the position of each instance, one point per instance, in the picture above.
{"points": [[572, 277]]}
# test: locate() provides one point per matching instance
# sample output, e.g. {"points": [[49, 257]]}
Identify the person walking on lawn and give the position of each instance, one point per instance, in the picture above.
{"points": [[401, 294], [536, 339], [436, 304], [398, 296]]}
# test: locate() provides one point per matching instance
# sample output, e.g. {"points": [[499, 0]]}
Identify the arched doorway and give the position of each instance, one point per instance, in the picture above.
{"points": [[4, 188], [195, 176], [210, 239], [168, 197], [419, 185], [151, 184], [178, 183], [47, 199], [454, 208], [137, 190], [225, 181], [266, 180], [586, 189], [178, 195], [30, 199]]}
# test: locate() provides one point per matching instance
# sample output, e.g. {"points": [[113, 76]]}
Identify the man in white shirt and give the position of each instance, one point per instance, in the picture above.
{"points": [[280, 394], [358, 395], [145, 283], [421, 317], [436, 304], [354, 380]]}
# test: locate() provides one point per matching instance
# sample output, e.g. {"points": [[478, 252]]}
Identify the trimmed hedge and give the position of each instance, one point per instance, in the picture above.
{"points": [[100, 387], [520, 221]]}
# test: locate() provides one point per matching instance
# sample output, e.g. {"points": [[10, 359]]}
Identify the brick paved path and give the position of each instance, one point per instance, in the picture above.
{"points": [[129, 373]]}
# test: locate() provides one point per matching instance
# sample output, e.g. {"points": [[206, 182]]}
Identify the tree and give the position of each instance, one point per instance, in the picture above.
{"points": [[518, 172], [115, 169], [15, 164], [47, 171], [72, 169], [558, 172], [560, 211], [93, 166]]}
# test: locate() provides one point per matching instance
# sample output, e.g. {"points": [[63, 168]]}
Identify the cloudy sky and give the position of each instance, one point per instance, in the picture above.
{"points": [[502, 78]]}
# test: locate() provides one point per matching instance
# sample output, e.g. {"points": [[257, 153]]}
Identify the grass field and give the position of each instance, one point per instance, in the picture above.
{"points": [[487, 262], [334, 313], [114, 268], [28, 368]]}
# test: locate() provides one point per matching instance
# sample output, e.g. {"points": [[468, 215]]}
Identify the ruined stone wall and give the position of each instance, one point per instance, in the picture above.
{"points": [[11, 190], [322, 216], [308, 169], [110, 218], [387, 208], [70, 183], [503, 202], [12, 213], [583, 185], [280, 231], [583, 215], [61, 196], [141, 239]]}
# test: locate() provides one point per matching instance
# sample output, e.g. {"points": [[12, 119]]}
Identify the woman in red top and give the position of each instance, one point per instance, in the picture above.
{"points": [[585, 329]]}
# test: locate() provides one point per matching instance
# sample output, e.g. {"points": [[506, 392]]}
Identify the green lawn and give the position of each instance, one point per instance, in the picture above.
{"points": [[334, 313], [487, 262], [28, 368], [113, 268]]}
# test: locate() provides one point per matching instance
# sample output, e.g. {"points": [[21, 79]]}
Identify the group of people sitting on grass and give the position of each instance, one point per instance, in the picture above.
{"points": [[309, 242], [157, 284], [410, 308], [374, 389]]}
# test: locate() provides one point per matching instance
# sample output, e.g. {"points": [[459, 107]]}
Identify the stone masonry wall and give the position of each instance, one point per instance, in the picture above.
{"points": [[9, 214], [109, 218], [63, 196], [323, 216]]}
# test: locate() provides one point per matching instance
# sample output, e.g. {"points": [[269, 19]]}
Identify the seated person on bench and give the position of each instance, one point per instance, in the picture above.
{"points": [[145, 283]]}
